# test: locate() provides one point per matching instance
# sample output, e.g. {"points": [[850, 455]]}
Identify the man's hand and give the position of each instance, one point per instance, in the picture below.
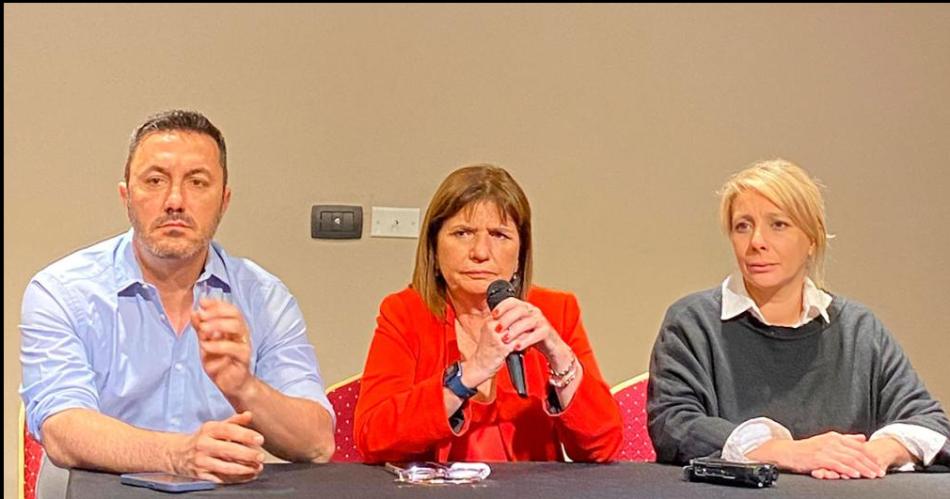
{"points": [[225, 344], [222, 451]]}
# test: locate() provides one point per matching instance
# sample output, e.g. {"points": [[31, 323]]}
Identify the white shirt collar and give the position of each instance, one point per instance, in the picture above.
{"points": [[736, 300]]}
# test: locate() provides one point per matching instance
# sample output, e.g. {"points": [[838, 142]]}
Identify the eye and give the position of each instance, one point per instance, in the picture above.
{"points": [[199, 182], [780, 225], [497, 234], [461, 232], [741, 226], [154, 181]]}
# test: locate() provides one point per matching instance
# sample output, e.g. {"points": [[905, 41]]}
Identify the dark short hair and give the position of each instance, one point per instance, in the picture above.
{"points": [[463, 189], [177, 119]]}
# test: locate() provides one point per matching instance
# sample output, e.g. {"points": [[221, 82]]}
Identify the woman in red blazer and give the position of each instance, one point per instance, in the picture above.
{"points": [[434, 386]]}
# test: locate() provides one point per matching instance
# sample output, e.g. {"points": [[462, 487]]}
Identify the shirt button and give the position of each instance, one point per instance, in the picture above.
{"points": [[175, 421], [178, 366]]}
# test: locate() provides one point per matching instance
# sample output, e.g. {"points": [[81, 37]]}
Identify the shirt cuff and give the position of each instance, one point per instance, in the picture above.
{"points": [[751, 434], [922, 443], [457, 420]]}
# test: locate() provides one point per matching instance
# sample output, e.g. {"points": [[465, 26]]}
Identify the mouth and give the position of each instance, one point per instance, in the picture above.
{"points": [[760, 267], [479, 274], [174, 225]]}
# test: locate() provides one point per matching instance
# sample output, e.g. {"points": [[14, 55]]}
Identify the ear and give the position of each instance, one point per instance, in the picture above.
{"points": [[124, 193], [226, 200]]}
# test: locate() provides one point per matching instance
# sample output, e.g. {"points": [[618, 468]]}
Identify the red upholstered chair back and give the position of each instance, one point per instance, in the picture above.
{"points": [[29, 457], [631, 395], [343, 396]]}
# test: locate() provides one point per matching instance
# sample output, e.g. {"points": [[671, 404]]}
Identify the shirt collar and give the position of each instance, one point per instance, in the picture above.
{"points": [[215, 270], [129, 273], [127, 269], [736, 300]]}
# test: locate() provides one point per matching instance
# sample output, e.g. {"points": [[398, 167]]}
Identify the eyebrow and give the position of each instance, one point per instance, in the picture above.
{"points": [[165, 171], [193, 171], [771, 215], [466, 225], [154, 168]]}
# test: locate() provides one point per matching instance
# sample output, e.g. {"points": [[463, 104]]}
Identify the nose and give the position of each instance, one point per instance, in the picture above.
{"points": [[481, 249], [174, 201], [758, 239]]}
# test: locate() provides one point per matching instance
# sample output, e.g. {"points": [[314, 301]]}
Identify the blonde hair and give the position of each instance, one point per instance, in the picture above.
{"points": [[464, 189], [790, 188]]}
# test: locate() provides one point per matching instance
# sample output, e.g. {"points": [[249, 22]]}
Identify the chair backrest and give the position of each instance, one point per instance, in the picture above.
{"points": [[343, 396], [631, 395], [29, 458]]}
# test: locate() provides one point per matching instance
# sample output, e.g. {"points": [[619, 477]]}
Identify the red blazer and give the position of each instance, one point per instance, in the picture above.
{"points": [[400, 414]]}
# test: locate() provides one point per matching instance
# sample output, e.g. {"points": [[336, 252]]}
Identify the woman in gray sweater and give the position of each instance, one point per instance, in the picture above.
{"points": [[769, 367]]}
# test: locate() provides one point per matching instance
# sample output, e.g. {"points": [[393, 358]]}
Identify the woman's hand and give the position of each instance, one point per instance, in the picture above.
{"points": [[515, 325], [490, 352], [524, 325], [827, 456]]}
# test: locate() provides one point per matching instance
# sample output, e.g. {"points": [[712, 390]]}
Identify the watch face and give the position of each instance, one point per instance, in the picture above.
{"points": [[450, 372]]}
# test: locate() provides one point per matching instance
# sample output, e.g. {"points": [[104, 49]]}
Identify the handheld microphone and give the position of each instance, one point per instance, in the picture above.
{"points": [[498, 291]]}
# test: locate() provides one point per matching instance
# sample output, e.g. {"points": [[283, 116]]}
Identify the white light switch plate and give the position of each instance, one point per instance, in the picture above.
{"points": [[395, 222]]}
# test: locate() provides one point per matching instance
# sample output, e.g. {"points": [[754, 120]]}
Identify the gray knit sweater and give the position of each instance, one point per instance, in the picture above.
{"points": [[848, 375]]}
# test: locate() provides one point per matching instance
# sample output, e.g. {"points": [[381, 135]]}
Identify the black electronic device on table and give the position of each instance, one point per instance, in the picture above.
{"points": [[724, 472]]}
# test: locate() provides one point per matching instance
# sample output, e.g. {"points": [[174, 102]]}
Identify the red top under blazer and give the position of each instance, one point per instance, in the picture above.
{"points": [[400, 414]]}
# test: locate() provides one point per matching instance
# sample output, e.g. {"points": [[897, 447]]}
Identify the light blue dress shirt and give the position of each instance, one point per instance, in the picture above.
{"points": [[95, 336]]}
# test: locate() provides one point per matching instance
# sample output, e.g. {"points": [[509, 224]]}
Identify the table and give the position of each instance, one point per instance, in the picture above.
{"points": [[517, 480]]}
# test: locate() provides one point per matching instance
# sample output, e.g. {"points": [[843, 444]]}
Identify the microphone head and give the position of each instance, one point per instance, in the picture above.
{"points": [[498, 291]]}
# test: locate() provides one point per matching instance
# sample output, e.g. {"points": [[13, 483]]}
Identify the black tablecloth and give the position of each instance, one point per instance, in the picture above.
{"points": [[519, 481]]}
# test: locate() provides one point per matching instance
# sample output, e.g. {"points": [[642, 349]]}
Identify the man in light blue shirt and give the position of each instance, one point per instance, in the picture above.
{"points": [[158, 351]]}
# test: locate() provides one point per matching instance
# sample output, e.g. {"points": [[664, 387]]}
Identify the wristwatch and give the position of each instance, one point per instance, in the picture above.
{"points": [[452, 379]]}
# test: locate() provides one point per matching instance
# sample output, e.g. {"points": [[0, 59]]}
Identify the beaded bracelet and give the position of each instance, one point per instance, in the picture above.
{"points": [[565, 380], [555, 374], [565, 377]]}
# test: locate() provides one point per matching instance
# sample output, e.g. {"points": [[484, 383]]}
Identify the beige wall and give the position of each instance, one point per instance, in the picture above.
{"points": [[619, 121]]}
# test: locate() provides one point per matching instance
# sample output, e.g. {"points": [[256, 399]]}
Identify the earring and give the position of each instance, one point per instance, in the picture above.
{"points": [[516, 283]]}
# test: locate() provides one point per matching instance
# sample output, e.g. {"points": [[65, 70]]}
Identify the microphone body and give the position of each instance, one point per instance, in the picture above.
{"points": [[497, 292]]}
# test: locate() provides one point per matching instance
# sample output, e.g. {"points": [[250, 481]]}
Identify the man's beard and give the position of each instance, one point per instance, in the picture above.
{"points": [[172, 247]]}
